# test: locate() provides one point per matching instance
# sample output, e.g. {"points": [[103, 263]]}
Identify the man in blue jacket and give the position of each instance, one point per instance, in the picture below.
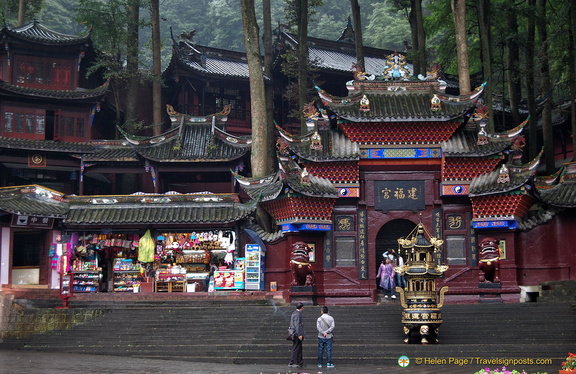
{"points": [[297, 323]]}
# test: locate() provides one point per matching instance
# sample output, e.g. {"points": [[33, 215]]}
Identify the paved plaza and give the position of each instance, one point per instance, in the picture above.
{"points": [[31, 362]]}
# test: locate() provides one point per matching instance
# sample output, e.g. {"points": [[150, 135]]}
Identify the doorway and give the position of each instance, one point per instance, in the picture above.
{"points": [[27, 256], [388, 235]]}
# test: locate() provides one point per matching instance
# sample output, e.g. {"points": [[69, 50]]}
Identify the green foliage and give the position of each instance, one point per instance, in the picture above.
{"points": [[387, 28], [9, 10]]}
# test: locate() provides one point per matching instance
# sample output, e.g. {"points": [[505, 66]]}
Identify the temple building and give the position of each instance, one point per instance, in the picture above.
{"points": [[385, 152]]}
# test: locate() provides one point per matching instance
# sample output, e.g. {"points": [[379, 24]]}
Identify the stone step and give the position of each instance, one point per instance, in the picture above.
{"points": [[247, 334]]}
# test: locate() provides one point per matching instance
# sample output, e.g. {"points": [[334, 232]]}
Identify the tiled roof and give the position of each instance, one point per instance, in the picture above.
{"points": [[388, 107], [157, 209], [494, 183], [562, 191], [510, 206], [208, 61], [196, 143], [340, 56], [335, 146], [33, 200], [37, 33], [68, 95], [46, 145], [464, 142], [290, 177], [467, 168], [112, 153], [336, 172], [399, 132]]}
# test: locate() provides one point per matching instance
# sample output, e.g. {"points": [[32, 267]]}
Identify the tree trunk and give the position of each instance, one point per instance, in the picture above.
{"points": [[533, 146], [302, 60], [459, 14], [546, 88], [267, 26], [486, 42], [132, 62], [156, 68], [260, 160], [572, 74], [414, 38], [512, 61], [22, 12], [420, 37], [359, 43]]}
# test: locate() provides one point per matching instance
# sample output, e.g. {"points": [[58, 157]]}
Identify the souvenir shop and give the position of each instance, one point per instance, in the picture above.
{"points": [[160, 261]]}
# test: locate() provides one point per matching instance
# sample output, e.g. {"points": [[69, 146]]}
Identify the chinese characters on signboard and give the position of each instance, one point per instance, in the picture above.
{"points": [[399, 195], [362, 244]]}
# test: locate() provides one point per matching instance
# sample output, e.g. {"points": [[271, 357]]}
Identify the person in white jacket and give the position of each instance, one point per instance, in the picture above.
{"points": [[325, 325]]}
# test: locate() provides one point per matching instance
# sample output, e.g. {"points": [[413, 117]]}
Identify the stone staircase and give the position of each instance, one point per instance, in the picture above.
{"points": [[558, 292], [252, 332]]}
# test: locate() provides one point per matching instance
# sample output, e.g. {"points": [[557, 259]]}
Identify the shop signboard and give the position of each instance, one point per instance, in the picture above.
{"points": [[228, 279], [36, 222]]}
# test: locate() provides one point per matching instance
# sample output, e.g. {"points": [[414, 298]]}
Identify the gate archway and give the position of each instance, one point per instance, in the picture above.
{"points": [[387, 237]]}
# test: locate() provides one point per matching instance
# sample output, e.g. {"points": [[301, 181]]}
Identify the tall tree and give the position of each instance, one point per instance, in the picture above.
{"points": [[133, 76], [302, 59], [484, 23], [572, 73], [513, 59], [156, 68], [359, 42], [529, 72], [546, 91], [262, 163], [459, 17], [417, 17]]}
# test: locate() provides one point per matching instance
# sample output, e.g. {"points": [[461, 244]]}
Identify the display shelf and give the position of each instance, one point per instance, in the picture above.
{"points": [[125, 280], [86, 281]]}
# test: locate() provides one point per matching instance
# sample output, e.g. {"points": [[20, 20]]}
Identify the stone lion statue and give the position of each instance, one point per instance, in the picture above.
{"points": [[302, 272], [489, 263]]}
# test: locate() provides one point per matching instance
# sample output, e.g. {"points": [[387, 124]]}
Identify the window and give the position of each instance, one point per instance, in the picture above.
{"points": [[80, 127], [345, 251], [40, 124], [69, 126], [30, 123], [456, 249], [8, 117], [43, 73]]}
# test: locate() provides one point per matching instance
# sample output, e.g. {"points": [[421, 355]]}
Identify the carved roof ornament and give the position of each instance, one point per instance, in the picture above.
{"points": [[504, 176], [316, 141], [364, 104], [482, 134], [396, 67], [435, 103]]}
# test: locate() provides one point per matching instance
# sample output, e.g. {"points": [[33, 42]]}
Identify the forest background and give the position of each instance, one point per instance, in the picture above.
{"points": [[525, 49]]}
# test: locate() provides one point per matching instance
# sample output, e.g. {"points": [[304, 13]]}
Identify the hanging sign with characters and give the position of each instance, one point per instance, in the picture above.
{"points": [[399, 195]]}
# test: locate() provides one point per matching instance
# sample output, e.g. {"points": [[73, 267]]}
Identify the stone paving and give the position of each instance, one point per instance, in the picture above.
{"points": [[19, 362]]}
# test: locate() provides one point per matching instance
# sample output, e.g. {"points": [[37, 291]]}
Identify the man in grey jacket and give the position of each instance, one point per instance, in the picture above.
{"points": [[297, 323], [325, 325]]}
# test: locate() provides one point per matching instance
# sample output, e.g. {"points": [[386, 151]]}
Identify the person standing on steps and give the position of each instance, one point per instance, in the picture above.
{"points": [[297, 323], [325, 325], [387, 278]]}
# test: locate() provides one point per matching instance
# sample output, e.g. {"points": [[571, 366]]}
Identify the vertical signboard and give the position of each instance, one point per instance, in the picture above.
{"points": [[362, 244]]}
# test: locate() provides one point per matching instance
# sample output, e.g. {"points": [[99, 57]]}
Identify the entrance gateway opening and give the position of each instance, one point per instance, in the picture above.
{"points": [[388, 235]]}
